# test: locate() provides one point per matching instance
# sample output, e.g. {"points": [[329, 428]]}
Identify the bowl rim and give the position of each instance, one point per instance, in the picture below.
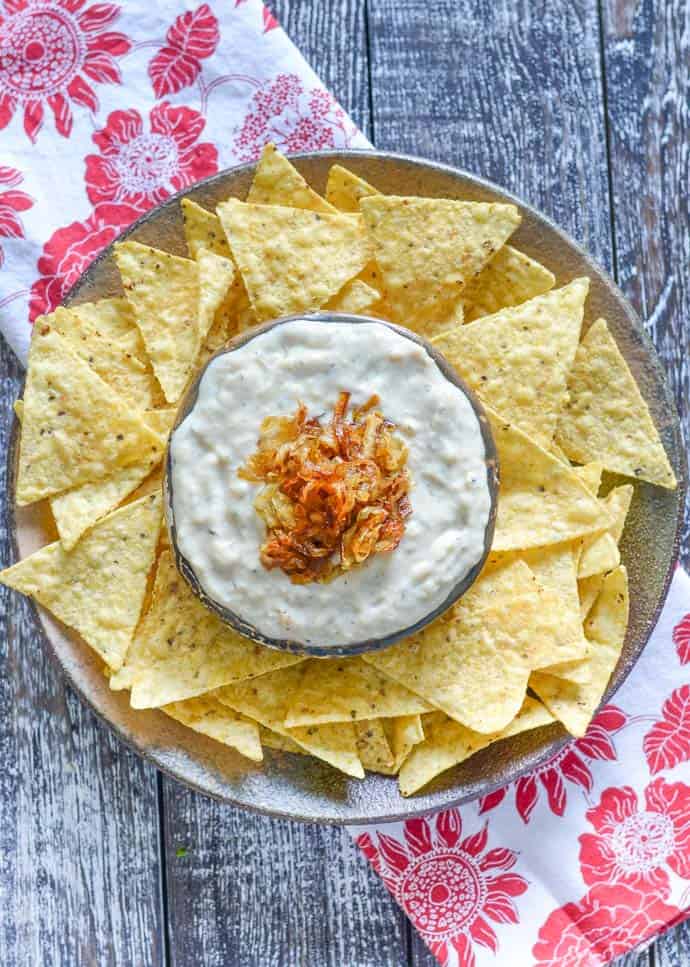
{"points": [[293, 646], [455, 797]]}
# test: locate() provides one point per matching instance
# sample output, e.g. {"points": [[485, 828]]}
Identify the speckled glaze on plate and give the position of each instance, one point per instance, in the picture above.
{"points": [[300, 787]]}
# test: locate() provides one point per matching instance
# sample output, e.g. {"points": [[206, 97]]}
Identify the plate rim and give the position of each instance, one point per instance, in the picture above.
{"points": [[552, 748]]}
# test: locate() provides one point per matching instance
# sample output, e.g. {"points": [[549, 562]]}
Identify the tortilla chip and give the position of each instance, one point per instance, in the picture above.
{"points": [[590, 475], [216, 275], [518, 360], [345, 189], [278, 182], [403, 733], [606, 418], [76, 510], [503, 577], [373, 747], [18, 407], [163, 291], [575, 705], [588, 590], [428, 249], [474, 665], [267, 701], [601, 553], [75, 428], [98, 588], [271, 740], [209, 717], [202, 230], [541, 501], [510, 278], [112, 319], [347, 690], [356, 297], [131, 379], [293, 260], [448, 744], [182, 650]]}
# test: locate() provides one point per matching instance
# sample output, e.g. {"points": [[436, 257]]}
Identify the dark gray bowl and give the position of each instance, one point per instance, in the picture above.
{"points": [[300, 787], [370, 644]]}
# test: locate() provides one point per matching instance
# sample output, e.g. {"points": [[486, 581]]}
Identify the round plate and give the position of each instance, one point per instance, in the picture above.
{"points": [[300, 787]]}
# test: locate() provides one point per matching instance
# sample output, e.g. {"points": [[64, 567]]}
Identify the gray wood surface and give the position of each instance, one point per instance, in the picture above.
{"points": [[581, 108]]}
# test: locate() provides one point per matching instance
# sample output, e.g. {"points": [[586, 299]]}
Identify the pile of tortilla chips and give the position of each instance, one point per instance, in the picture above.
{"points": [[535, 639]]}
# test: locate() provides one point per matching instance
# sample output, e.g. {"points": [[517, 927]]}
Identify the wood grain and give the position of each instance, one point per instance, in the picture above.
{"points": [[79, 852]]}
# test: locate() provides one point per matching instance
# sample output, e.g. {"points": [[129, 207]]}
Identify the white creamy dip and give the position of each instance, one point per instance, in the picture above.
{"points": [[220, 533]]}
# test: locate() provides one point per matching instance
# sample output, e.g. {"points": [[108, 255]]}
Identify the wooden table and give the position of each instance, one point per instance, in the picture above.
{"points": [[582, 109]]}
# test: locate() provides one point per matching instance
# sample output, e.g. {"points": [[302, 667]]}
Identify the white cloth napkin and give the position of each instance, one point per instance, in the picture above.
{"points": [[578, 862], [108, 108]]}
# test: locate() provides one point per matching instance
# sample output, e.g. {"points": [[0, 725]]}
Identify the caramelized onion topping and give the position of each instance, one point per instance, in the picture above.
{"points": [[334, 494]]}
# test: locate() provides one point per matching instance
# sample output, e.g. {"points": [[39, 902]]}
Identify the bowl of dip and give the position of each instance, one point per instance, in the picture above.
{"points": [[321, 597]]}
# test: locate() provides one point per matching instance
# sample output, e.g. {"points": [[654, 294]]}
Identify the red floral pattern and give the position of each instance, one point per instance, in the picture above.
{"points": [[451, 888], [270, 22], [193, 36], [681, 639], [607, 922], [141, 168], [668, 741], [571, 764], [49, 51], [11, 202], [293, 117], [633, 844], [69, 251]]}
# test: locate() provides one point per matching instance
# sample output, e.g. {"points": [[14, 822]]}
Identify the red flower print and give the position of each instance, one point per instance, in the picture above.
{"points": [[633, 844], [668, 741], [681, 639], [270, 22], [571, 763], [192, 37], [49, 51], [293, 118], [70, 250], [11, 202], [141, 168], [607, 922], [450, 888]]}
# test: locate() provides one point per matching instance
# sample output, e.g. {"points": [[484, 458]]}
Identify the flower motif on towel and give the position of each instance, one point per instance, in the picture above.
{"points": [[11, 202], [51, 51], [453, 889]]}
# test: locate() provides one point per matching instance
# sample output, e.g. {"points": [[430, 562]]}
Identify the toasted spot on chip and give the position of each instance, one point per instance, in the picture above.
{"points": [[518, 360], [267, 699], [511, 277], [541, 500], [278, 182], [210, 717], [293, 260], [78, 509], [202, 230], [572, 704], [345, 189], [182, 650], [373, 746], [75, 428], [98, 587], [428, 249], [163, 291], [606, 418], [448, 743], [348, 689]]}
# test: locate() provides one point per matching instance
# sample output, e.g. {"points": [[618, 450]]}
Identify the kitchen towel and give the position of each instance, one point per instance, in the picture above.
{"points": [[106, 109]]}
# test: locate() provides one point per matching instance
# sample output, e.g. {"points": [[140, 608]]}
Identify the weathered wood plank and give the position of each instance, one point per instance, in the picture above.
{"points": [[255, 891], [79, 871], [647, 60], [512, 91]]}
